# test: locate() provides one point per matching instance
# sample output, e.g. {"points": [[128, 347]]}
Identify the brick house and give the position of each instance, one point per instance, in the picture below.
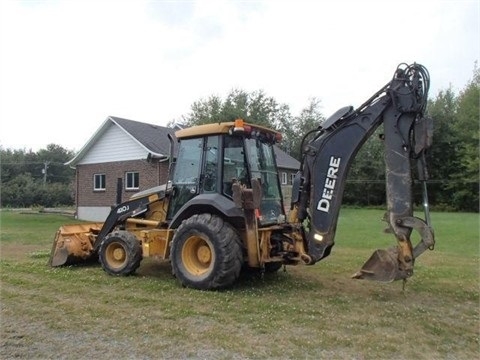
{"points": [[124, 157]]}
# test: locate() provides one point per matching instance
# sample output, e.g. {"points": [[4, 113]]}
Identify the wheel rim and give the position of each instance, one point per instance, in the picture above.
{"points": [[197, 255], [115, 255]]}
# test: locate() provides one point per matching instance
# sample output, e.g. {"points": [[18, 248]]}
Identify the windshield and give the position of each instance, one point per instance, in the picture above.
{"points": [[261, 162]]}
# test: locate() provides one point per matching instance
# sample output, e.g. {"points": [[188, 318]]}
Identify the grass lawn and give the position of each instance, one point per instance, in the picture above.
{"points": [[314, 312]]}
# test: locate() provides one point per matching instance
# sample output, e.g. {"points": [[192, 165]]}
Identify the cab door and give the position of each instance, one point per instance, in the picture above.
{"points": [[186, 175]]}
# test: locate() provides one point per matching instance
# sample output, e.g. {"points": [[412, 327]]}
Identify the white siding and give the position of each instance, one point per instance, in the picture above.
{"points": [[114, 145], [93, 213]]}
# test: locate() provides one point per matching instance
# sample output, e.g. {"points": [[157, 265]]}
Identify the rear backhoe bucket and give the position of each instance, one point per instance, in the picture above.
{"points": [[73, 244], [382, 266]]}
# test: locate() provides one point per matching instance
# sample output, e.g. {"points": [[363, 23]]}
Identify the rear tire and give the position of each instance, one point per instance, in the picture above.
{"points": [[206, 253], [120, 253]]}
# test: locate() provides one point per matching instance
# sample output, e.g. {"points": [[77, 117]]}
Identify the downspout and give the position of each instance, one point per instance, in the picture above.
{"points": [[160, 159], [76, 192]]}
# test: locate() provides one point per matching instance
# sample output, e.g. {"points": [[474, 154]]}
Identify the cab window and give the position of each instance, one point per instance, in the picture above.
{"points": [[233, 164]]}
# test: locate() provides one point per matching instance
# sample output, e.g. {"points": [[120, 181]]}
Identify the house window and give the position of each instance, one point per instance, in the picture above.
{"points": [[98, 182], [284, 178], [132, 180], [292, 177]]}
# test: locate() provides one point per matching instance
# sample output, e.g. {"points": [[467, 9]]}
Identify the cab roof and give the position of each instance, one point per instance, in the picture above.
{"points": [[219, 128]]}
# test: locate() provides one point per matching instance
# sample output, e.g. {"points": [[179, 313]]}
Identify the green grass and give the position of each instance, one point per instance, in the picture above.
{"points": [[31, 228], [307, 312]]}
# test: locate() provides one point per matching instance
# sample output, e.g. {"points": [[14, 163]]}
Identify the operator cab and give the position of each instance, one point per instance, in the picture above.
{"points": [[212, 157]]}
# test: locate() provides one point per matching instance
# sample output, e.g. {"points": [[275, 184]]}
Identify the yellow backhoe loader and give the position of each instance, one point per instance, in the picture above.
{"points": [[222, 209]]}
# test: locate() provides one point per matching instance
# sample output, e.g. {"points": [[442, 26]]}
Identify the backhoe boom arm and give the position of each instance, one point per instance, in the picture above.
{"points": [[327, 157]]}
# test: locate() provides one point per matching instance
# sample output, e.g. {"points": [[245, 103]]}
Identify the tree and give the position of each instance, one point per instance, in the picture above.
{"points": [[15, 162], [453, 159], [24, 181], [19, 192], [204, 112], [260, 109], [284, 123], [466, 177], [309, 119], [366, 178], [442, 157], [256, 108], [53, 160]]}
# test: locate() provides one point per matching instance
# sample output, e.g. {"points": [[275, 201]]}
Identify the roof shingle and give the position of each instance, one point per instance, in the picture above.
{"points": [[149, 135]]}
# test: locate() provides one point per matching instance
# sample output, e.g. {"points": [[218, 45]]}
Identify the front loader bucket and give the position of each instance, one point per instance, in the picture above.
{"points": [[382, 266], [73, 244]]}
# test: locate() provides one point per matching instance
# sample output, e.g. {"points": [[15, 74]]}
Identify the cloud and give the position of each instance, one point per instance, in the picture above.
{"points": [[67, 65]]}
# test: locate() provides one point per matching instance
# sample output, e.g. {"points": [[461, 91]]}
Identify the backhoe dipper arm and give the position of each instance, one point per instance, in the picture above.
{"points": [[399, 105]]}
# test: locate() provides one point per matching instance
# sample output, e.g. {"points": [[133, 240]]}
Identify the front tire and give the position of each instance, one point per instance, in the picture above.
{"points": [[206, 253], [120, 253]]}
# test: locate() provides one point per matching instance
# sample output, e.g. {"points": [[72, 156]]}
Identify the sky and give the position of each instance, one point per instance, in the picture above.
{"points": [[66, 65]]}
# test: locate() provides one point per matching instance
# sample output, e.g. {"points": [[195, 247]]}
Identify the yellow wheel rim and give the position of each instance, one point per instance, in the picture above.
{"points": [[115, 255], [197, 255]]}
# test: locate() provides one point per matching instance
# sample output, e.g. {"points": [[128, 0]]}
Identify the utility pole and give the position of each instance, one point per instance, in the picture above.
{"points": [[44, 172]]}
